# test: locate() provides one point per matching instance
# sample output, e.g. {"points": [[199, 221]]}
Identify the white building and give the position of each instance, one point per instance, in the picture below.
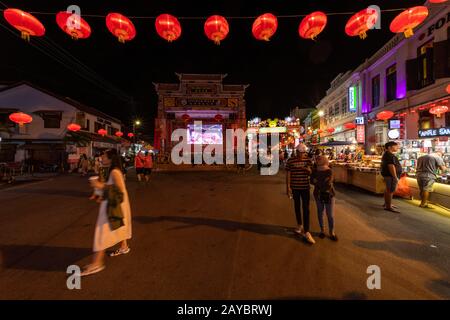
{"points": [[43, 140]]}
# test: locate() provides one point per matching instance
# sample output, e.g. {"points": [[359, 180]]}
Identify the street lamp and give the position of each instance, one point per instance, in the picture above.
{"points": [[321, 113]]}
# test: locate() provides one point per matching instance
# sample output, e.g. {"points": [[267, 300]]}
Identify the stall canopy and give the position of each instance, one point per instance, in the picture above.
{"points": [[336, 143]]}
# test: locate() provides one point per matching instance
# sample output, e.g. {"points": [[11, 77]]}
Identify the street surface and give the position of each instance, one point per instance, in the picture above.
{"points": [[218, 235]]}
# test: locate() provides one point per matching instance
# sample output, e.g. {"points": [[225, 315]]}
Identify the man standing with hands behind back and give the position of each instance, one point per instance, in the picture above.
{"points": [[391, 171]]}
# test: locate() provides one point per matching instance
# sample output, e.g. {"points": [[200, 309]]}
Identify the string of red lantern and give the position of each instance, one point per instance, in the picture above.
{"points": [[217, 27]]}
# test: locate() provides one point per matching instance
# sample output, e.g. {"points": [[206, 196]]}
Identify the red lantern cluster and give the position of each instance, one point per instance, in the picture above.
{"points": [[168, 27], [312, 25], [26, 23], [102, 132], [121, 27], [360, 23], [409, 19], [20, 118], [216, 28], [74, 127], [265, 27], [73, 25]]}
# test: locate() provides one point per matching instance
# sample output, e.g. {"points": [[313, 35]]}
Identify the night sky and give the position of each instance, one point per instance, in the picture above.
{"points": [[286, 72]]}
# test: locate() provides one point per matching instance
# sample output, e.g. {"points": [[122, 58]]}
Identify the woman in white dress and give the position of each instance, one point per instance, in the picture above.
{"points": [[105, 237]]}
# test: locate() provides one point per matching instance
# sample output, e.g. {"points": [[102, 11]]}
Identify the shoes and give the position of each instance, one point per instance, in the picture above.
{"points": [[119, 252], [392, 209], [309, 238], [322, 235], [92, 269], [334, 237]]}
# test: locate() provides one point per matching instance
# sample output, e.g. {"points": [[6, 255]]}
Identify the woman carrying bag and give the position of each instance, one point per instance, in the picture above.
{"points": [[114, 218], [324, 194]]}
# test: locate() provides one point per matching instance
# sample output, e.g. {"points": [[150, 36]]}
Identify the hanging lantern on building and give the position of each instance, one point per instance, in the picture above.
{"points": [[448, 89], [438, 110], [409, 19], [102, 132], [438, 1], [331, 130], [121, 27], [186, 117], [319, 131], [265, 26], [216, 28], [385, 115], [73, 25], [74, 127], [119, 134], [312, 25], [130, 135], [20, 118], [26, 23], [361, 22], [350, 125], [218, 118], [168, 27]]}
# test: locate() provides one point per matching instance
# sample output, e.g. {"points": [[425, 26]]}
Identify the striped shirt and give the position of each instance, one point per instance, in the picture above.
{"points": [[300, 170]]}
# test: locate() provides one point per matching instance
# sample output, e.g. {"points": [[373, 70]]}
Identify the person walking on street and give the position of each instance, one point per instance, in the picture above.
{"points": [[391, 170], [148, 166], [426, 172], [84, 165], [114, 217], [139, 164], [298, 171], [324, 194]]}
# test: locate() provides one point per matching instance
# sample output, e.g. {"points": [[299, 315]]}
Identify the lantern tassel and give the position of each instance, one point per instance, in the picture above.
{"points": [[25, 36], [408, 33], [121, 39], [363, 35]]}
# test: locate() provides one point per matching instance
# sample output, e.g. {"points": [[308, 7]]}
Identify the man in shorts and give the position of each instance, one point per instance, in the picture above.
{"points": [[426, 173], [391, 171]]}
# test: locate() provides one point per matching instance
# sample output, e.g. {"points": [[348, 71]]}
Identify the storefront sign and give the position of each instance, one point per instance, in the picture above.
{"points": [[430, 133], [394, 124], [359, 120], [273, 130], [394, 134], [103, 145], [353, 99], [360, 134]]}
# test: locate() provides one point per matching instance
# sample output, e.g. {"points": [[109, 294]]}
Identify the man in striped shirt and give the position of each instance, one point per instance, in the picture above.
{"points": [[298, 172]]}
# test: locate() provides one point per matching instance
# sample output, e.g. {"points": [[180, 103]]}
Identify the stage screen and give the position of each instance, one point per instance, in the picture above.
{"points": [[205, 134]]}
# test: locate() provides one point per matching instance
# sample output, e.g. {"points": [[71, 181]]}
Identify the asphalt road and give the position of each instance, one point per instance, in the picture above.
{"points": [[217, 235]]}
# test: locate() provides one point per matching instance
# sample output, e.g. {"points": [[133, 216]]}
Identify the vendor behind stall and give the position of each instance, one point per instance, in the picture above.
{"points": [[426, 172]]}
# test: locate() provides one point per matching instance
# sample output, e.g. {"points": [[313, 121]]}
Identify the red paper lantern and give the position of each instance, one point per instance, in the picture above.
{"points": [[319, 131], [438, 1], [185, 117], [119, 134], [102, 132], [349, 125], [448, 89], [331, 130], [385, 115], [121, 27], [265, 27], [216, 28], [74, 127], [73, 25], [409, 19], [26, 23], [438, 110], [20, 118], [360, 23], [168, 27], [312, 25], [218, 118], [130, 135]]}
